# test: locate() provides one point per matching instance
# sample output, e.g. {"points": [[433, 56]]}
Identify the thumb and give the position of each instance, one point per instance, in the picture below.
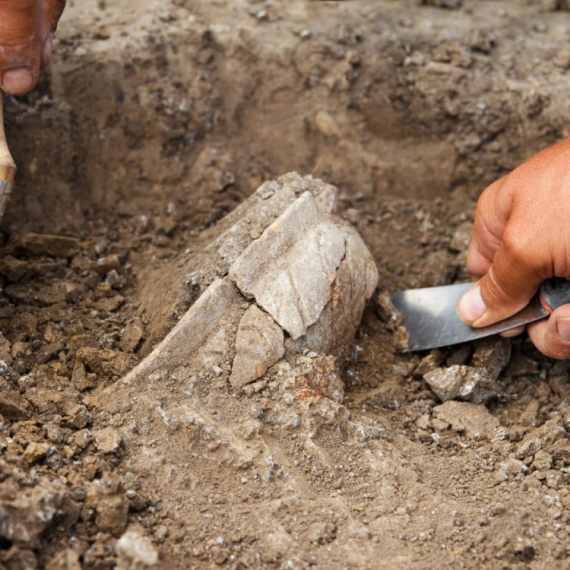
{"points": [[504, 290]]}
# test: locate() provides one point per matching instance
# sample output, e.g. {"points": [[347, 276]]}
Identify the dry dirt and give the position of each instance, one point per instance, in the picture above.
{"points": [[156, 120]]}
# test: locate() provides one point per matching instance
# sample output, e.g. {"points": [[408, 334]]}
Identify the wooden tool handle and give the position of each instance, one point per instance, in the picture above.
{"points": [[7, 164]]}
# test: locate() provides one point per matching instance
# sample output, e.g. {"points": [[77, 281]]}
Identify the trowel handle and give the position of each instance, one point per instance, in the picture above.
{"points": [[554, 293], [7, 164]]}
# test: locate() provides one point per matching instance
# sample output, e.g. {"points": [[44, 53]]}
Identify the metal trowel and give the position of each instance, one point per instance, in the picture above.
{"points": [[431, 320]]}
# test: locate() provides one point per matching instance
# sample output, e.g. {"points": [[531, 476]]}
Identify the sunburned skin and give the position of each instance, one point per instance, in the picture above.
{"points": [[26, 41]]}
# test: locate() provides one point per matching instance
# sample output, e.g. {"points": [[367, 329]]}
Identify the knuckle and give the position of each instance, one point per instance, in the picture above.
{"points": [[516, 246]]}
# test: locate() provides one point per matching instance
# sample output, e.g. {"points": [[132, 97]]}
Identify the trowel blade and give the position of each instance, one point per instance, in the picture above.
{"points": [[430, 317]]}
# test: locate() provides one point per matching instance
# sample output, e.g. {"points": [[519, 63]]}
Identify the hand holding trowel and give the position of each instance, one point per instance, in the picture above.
{"points": [[521, 239], [431, 319]]}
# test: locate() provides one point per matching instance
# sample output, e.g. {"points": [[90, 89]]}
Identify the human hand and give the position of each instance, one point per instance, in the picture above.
{"points": [[26, 41], [521, 237]]}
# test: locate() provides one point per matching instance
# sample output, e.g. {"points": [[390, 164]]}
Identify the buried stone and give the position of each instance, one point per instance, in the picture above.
{"points": [[308, 275], [463, 383]]}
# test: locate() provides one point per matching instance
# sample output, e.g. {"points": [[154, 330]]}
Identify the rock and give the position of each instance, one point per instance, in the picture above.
{"points": [[493, 354], [105, 361], [29, 512], [514, 467], [274, 269], [430, 362], [36, 451], [542, 461], [12, 405], [38, 245], [106, 497], [259, 345], [321, 379], [105, 264], [110, 304], [135, 551], [207, 330], [548, 433], [132, 335], [423, 421], [78, 418], [13, 269], [355, 283], [473, 420], [386, 310], [462, 382], [66, 560], [530, 416], [528, 448], [107, 440]]}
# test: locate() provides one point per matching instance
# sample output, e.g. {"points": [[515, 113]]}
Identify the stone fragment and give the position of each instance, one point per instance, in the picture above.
{"points": [[135, 551], [542, 461], [430, 362], [105, 264], [132, 335], [321, 379], [106, 497], [106, 361], [78, 418], [6, 358], [531, 414], [386, 310], [275, 268], [36, 451], [11, 268], [259, 345], [13, 406], [26, 513], [461, 382], [473, 420], [110, 304], [528, 448], [207, 330], [493, 354], [31, 244], [513, 467], [66, 560], [423, 421], [107, 440], [355, 282]]}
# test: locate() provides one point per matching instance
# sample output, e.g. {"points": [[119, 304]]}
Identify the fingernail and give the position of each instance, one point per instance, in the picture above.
{"points": [[18, 80], [471, 306], [563, 326]]}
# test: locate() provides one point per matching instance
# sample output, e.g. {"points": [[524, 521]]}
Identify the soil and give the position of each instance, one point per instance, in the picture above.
{"points": [[155, 120]]}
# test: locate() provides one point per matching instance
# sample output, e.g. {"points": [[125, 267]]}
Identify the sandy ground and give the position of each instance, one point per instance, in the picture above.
{"points": [[155, 121]]}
